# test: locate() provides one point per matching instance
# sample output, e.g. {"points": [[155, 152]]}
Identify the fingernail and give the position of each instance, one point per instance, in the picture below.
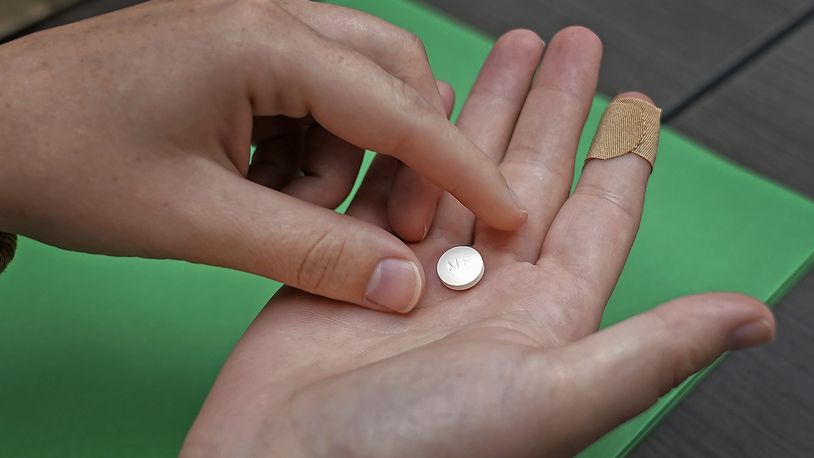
{"points": [[517, 203], [515, 199], [751, 334], [395, 285]]}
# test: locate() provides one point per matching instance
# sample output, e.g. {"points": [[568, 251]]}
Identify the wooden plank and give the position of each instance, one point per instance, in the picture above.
{"points": [[18, 14], [758, 403], [662, 48], [83, 10], [764, 117]]}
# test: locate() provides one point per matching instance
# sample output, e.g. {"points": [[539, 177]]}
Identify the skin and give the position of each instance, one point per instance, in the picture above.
{"points": [[512, 367], [129, 134]]}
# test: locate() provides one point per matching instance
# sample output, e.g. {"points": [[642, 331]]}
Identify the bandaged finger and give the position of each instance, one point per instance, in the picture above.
{"points": [[629, 125]]}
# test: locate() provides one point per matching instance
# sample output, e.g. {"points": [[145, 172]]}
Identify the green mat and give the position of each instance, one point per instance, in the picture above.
{"points": [[112, 357]]}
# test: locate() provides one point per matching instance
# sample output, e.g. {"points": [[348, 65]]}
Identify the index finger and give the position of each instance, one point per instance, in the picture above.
{"points": [[357, 100]]}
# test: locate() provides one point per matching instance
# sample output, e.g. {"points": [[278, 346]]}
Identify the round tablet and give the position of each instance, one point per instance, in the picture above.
{"points": [[460, 267]]}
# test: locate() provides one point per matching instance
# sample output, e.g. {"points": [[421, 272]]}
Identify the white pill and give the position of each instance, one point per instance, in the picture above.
{"points": [[460, 267]]}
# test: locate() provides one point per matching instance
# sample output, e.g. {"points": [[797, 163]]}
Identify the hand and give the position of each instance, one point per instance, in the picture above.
{"points": [[129, 134], [514, 366]]}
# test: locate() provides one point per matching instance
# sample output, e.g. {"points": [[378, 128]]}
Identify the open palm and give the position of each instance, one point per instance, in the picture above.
{"points": [[512, 367]]}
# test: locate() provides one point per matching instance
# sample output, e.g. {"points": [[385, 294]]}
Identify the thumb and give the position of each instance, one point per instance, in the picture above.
{"points": [[249, 227], [613, 375]]}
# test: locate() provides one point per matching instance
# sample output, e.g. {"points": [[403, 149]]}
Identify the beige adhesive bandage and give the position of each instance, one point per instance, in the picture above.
{"points": [[629, 125]]}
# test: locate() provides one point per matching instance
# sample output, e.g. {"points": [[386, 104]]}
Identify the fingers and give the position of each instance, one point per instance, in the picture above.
{"points": [[329, 166], [276, 159], [608, 377], [304, 161], [394, 49], [400, 53], [489, 116], [254, 229], [592, 233], [375, 110], [539, 162], [372, 202], [412, 203], [447, 94]]}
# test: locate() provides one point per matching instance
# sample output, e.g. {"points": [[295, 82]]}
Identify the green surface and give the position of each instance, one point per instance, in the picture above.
{"points": [[106, 356]]}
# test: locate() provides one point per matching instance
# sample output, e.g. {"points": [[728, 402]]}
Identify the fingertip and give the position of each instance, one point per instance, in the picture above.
{"points": [[411, 205], [577, 52], [521, 215], [445, 89], [516, 48], [510, 223], [418, 291], [410, 218], [518, 216], [744, 320], [734, 302], [750, 335], [524, 40], [756, 324], [395, 285], [447, 96], [581, 36], [505, 214], [635, 95]]}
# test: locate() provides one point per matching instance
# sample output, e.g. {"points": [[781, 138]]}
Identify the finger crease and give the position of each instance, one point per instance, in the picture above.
{"points": [[608, 196], [542, 167]]}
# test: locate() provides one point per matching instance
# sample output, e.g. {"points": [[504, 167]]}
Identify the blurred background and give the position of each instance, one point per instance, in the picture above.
{"points": [[735, 76], [18, 14]]}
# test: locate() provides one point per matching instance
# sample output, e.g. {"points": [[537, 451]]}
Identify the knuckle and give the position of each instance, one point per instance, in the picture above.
{"points": [[564, 91], [612, 199], [685, 362], [681, 355], [413, 44], [531, 162], [320, 261], [407, 98], [414, 55], [410, 106], [246, 17], [247, 8]]}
